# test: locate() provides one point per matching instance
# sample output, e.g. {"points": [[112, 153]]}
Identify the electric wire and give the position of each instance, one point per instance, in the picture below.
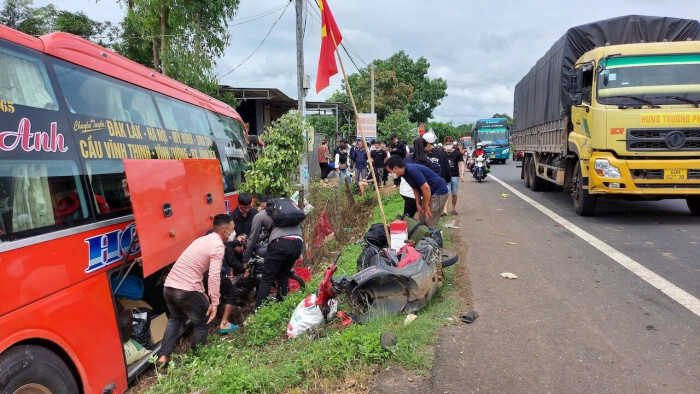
{"points": [[261, 43]]}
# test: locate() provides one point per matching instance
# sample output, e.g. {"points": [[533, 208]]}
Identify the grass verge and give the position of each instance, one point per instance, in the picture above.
{"points": [[260, 359]]}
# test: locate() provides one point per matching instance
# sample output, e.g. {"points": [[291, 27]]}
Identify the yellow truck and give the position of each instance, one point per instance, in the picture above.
{"points": [[612, 110]]}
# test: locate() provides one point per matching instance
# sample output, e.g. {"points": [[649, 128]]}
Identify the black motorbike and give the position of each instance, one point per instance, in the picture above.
{"points": [[247, 287]]}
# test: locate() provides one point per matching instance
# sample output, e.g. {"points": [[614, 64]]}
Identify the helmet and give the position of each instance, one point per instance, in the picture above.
{"points": [[429, 137], [479, 146]]}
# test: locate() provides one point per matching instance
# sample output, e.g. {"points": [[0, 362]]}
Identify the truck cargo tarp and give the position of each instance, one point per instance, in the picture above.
{"points": [[542, 95]]}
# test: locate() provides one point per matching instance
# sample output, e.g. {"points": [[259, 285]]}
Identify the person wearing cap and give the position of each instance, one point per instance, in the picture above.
{"points": [[437, 156], [429, 189]]}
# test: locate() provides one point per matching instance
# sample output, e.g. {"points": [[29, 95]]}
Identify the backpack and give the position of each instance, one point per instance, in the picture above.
{"points": [[284, 212], [418, 230]]}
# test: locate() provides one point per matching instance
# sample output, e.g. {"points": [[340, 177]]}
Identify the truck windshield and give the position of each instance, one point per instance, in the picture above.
{"points": [[667, 79]]}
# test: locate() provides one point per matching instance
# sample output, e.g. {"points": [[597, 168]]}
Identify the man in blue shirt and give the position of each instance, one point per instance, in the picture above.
{"points": [[358, 155], [426, 185]]}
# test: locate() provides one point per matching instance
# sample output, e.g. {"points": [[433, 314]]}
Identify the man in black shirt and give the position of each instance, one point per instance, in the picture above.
{"points": [[397, 148], [456, 161], [379, 156], [243, 214]]}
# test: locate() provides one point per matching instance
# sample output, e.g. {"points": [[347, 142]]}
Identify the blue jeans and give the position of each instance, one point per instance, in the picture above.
{"points": [[343, 174]]}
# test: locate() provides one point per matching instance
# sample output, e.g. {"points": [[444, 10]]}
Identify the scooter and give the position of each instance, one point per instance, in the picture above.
{"points": [[479, 169], [402, 284]]}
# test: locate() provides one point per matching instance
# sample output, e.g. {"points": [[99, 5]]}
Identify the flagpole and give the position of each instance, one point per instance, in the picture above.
{"points": [[364, 140]]}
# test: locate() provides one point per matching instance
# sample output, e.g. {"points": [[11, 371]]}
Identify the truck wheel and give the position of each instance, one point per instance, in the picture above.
{"points": [[693, 204], [584, 203], [526, 172], [35, 369], [537, 184]]}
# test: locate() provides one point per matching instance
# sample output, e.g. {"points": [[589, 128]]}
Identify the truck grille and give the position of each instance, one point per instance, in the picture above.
{"points": [[659, 174], [668, 185], [656, 140]]}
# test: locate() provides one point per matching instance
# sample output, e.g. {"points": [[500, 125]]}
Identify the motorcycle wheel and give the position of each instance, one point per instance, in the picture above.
{"points": [[480, 178], [448, 257]]}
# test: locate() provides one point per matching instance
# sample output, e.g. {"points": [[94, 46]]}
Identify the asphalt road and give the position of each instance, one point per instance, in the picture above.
{"points": [[574, 320]]}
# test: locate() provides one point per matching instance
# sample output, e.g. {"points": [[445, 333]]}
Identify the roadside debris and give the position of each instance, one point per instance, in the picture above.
{"points": [[509, 275], [409, 318], [469, 317], [505, 195], [451, 224], [511, 243]]}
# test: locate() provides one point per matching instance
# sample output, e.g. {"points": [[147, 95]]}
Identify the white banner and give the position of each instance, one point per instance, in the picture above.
{"points": [[368, 123]]}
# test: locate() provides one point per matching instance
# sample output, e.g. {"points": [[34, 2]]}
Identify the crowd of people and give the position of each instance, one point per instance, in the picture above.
{"points": [[200, 279], [425, 193]]}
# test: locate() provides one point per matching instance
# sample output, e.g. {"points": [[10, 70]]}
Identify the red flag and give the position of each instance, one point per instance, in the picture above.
{"points": [[326, 61], [421, 130]]}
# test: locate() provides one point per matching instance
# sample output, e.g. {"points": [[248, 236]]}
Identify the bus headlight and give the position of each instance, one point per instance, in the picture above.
{"points": [[604, 169], [506, 151]]}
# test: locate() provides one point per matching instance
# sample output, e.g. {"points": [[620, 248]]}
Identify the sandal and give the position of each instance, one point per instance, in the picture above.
{"points": [[163, 364], [224, 331], [453, 212]]}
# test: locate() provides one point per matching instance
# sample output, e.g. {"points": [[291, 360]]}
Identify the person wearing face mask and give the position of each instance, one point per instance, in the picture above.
{"points": [[184, 288], [243, 214], [456, 161]]}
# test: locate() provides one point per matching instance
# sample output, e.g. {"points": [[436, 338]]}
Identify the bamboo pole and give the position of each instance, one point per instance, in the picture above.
{"points": [[364, 140]]}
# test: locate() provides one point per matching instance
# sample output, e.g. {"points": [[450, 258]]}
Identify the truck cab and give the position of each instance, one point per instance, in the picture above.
{"points": [[636, 122]]}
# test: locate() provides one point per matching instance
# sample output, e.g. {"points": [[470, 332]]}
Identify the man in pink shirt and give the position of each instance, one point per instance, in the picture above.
{"points": [[184, 290]]}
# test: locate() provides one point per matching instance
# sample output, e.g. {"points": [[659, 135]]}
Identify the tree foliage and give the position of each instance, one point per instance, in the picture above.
{"points": [[23, 16], [508, 118], [184, 36], [277, 168], [397, 122], [399, 84]]}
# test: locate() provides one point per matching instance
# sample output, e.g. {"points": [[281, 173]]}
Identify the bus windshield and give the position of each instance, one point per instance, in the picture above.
{"points": [[492, 137], [668, 79]]}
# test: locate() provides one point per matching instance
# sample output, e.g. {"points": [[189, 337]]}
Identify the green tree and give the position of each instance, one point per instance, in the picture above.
{"points": [[400, 84], [23, 16], [397, 122], [508, 118], [464, 130], [427, 92], [322, 124], [442, 130], [277, 168], [185, 36]]}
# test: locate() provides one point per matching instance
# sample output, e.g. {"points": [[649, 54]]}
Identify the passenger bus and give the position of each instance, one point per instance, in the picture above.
{"points": [[493, 135], [77, 124]]}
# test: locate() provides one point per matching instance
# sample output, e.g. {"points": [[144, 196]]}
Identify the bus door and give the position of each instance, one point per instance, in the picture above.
{"points": [[174, 202]]}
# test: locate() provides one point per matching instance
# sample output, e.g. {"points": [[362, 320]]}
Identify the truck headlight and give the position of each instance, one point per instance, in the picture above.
{"points": [[506, 151], [604, 169]]}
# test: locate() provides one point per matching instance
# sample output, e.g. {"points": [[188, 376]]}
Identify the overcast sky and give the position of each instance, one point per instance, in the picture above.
{"points": [[481, 48]]}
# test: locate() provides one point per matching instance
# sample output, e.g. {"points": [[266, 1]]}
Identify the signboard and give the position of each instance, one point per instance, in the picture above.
{"points": [[368, 123]]}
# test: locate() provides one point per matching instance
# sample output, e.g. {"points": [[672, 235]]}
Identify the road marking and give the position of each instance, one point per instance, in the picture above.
{"points": [[676, 293]]}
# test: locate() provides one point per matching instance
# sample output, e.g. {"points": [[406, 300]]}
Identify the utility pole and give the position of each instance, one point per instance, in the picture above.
{"points": [[304, 168], [371, 71]]}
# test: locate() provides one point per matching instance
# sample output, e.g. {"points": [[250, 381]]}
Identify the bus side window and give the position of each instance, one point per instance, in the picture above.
{"points": [[181, 116], [37, 197], [111, 197], [91, 94], [23, 81]]}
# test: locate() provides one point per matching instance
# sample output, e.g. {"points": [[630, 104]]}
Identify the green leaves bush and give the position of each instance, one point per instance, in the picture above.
{"points": [[277, 168]]}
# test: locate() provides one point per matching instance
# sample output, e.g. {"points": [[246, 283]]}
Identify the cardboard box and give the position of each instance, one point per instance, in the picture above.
{"points": [[158, 325], [140, 304]]}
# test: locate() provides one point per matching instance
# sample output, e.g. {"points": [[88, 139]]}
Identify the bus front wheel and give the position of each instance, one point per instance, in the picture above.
{"points": [[35, 369]]}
